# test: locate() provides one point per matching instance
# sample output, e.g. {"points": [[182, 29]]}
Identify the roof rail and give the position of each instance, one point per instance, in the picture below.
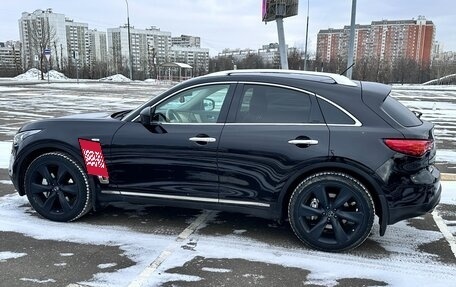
{"points": [[339, 79]]}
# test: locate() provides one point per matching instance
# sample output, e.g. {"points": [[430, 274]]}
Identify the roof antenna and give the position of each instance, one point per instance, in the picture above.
{"points": [[347, 68]]}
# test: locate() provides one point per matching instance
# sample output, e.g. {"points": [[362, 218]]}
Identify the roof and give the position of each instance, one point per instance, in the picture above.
{"points": [[336, 78], [177, 65]]}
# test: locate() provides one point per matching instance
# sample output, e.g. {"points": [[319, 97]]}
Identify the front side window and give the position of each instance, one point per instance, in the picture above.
{"points": [[267, 104], [197, 105]]}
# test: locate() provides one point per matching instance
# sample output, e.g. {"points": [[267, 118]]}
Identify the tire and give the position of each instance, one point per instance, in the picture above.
{"points": [[331, 211], [57, 187]]}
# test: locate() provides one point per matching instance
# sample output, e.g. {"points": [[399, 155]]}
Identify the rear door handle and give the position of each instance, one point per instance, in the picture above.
{"points": [[303, 142], [202, 139]]}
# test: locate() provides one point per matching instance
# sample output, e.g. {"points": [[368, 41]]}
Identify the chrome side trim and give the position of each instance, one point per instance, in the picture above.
{"points": [[189, 198], [244, 203], [273, 124]]}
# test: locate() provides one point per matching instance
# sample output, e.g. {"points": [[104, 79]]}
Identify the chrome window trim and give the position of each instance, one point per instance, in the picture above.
{"points": [[185, 89], [273, 124], [356, 124], [188, 198]]}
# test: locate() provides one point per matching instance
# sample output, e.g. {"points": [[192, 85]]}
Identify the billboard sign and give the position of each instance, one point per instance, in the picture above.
{"points": [[273, 9]]}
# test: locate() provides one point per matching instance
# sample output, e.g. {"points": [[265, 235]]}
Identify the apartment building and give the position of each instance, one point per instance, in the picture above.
{"points": [[186, 41], [384, 40], [10, 55], [146, 44], [78, 42], [40, 30]]}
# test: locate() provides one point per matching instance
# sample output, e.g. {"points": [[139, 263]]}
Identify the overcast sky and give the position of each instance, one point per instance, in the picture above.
{"points": [[234, 24]]}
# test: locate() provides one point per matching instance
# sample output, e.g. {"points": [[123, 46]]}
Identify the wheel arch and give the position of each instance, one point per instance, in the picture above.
{"points": [[42, 148], [351, 168]]}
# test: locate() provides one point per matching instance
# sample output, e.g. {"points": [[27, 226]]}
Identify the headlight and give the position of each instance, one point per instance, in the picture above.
{"points": [[19, 137]]}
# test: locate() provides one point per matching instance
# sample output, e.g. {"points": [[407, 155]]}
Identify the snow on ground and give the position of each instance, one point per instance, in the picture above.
{"points": [[421, 87], [448, 192], [5, 151], [5, 255], [405, 265], [35, 75], [15, 217], [116, 78]]}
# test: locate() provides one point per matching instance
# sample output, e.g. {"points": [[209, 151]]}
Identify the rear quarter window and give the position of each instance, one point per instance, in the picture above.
{"points": [[400, 113]]}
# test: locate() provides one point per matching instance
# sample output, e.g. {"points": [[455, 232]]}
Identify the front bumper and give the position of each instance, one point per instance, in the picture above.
{"points": [[412, 198]]}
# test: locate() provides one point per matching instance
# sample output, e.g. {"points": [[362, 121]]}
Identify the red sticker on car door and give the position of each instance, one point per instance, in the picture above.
{"points": [[93, 157]]}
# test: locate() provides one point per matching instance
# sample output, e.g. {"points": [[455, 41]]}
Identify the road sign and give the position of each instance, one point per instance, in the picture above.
{"points": [[47, 53]]}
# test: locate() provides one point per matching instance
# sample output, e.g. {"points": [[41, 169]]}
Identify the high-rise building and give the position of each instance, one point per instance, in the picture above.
{"points": [[10, 55], [78, 42], [146, 44], [383, 40], [186, 41], [41, 30], [98, 46], [196, 57]]}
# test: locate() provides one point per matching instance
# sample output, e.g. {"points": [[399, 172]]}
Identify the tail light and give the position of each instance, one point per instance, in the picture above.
{"points": [[414, 147]]}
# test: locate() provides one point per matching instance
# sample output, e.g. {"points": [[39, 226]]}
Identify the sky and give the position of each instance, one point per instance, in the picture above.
{"points": [[234, 24]]}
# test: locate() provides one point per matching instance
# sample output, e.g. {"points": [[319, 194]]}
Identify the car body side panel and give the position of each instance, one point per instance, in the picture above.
{"points": [[255, 161]]}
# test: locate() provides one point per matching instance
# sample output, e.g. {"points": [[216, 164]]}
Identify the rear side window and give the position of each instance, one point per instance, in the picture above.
{"points": [[400, 113], [334, 115]]}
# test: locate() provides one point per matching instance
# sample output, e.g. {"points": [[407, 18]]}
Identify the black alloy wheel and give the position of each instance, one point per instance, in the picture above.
{"points": [[331, 211], [57, 187]]}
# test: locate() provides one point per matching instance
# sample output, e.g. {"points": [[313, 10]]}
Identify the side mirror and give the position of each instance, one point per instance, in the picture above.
{"points": [[209, 104], [146, 116]]}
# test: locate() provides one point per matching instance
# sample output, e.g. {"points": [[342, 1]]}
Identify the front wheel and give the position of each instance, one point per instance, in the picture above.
{"points": [[331, 211], [57, 187]]}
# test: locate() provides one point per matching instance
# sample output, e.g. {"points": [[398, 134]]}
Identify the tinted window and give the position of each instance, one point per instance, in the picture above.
{"points": [[333, 115], [265, 104], [400, 113], [198, 105]]}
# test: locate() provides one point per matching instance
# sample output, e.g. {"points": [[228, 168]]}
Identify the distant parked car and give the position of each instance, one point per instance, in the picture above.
{"points": [[326, 152]]}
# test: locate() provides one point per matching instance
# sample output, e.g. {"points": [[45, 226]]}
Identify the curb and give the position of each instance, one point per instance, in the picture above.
{"points": [[448, 176]]}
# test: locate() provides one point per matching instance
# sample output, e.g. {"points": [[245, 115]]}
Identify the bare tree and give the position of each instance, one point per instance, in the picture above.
{"points": [[41, 36]]}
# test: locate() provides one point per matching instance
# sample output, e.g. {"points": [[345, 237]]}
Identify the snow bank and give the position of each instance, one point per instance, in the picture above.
{"points": [[34, 74], [116, 78], [54, 75], [30, 75]]}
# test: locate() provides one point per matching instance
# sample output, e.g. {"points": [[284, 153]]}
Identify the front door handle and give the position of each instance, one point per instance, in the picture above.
{"points": [[202, 139], [303, 142]]}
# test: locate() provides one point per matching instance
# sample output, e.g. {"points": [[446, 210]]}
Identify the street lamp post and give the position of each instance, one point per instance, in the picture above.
{"points": [[307, 37], [130, 57], [351, 46]]}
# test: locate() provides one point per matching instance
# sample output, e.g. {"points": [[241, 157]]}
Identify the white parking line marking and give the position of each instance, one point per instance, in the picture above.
{"points": [[444, 229], [149, 270]]}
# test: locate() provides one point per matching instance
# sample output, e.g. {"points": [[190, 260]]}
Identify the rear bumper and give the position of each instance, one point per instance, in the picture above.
{"points": [[411, 199]]}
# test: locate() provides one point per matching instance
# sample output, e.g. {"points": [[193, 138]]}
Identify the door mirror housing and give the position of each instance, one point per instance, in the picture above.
{"points": [[146, 116]]}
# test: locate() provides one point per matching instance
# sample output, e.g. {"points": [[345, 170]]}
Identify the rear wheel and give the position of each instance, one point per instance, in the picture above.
{"points": [[331, 211], [57, 187]]}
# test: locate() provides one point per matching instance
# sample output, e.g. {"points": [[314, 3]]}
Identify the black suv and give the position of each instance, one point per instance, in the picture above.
{"points": [[326, 152]]}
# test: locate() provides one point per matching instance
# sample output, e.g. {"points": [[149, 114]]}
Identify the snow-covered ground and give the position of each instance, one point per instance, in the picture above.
{"points": [[401, 263]]}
